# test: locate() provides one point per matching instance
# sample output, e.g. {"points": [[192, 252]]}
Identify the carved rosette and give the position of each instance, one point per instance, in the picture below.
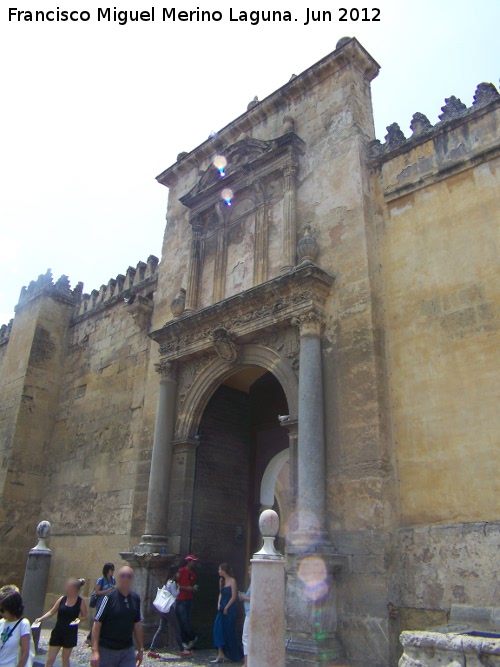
{"points": [[310, 323], [166, 369]]}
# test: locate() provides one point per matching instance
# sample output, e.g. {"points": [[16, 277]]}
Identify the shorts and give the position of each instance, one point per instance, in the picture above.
{"points": [[64, 637]]}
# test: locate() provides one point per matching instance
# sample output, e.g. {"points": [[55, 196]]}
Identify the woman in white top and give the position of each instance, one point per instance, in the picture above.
{"points": [[16, 644], [173, 588]]}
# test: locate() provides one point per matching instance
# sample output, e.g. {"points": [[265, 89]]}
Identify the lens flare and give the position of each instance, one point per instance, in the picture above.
{"points": [[227, 196], [220, 163], [314, 575]]}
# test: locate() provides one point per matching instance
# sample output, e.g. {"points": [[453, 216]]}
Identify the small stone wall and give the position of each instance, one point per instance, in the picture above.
{"points": [[434, 649]]}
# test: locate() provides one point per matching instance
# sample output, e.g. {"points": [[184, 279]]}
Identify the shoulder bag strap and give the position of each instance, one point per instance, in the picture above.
{"points": [[11, 632]]}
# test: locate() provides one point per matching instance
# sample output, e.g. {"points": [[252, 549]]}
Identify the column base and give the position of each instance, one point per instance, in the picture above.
{"points": [[309, 542], [304, 652], [150, 569], [152, 544], [311, 605]]}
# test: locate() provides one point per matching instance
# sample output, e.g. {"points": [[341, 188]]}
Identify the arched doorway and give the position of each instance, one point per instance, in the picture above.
{"points": [[239, 437]]}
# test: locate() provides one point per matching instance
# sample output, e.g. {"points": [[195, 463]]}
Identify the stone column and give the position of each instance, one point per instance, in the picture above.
{"points": [[292, 428], [267, 607], [261, 235], [311, 487], [155, 536], [183, 477], [290, 218], [194, 267], [36, 577]]}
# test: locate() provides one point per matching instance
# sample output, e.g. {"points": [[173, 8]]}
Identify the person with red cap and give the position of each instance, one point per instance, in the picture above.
{"points": [[184, 604]]}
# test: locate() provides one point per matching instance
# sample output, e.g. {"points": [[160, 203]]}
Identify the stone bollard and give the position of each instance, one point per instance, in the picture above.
{"points": [[267, 607], [36, 577]]}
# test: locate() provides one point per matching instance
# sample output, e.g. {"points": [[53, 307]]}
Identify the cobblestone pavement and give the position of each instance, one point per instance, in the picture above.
{"points": [[81, 655]]}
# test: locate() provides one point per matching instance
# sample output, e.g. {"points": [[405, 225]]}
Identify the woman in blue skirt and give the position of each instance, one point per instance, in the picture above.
{"points": [[226, 640]]}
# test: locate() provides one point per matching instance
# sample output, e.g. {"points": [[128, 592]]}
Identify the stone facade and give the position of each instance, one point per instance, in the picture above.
{"points": [[361, 279]]}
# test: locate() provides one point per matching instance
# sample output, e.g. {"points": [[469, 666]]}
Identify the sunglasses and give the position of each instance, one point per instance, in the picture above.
{"points": [[126, 576]]}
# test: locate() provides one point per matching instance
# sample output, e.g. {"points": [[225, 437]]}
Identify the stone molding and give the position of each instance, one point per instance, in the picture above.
{"points": [[261, 158], [276, 301]]}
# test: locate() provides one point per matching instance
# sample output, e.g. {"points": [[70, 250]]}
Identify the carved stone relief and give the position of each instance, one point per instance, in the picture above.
{"points": [[188, 372], [223, 344]]}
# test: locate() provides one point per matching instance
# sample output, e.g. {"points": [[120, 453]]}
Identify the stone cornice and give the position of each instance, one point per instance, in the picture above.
{"points": [[351, 53], [280, 153], [277, 300]]}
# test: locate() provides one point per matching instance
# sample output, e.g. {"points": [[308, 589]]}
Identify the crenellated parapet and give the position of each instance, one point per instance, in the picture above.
{"points": [[5, 330], [45, 285], [453, 111], [135, 282]]}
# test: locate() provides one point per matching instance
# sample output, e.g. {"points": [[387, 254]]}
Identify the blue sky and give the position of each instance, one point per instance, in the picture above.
{"points": [[92, 112]]}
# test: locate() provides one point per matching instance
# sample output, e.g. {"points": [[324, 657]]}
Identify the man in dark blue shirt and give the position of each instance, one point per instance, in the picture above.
{"points": [[117, 623]]}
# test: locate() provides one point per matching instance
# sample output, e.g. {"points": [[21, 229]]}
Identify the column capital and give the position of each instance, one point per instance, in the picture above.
{"points": [[185, 445], [166, 369], [310, 323], [196, 225], [291, 426], [291, 169]]}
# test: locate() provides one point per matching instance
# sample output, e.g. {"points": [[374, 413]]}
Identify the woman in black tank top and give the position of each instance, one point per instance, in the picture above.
{"points": [[70, 610]]}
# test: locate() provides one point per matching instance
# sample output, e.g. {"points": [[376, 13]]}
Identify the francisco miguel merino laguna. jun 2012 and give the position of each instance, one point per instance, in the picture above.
{"points": [[254, 17]]}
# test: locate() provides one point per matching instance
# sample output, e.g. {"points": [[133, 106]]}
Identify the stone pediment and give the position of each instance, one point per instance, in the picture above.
{"points": [[247, 156], [220, 325]]}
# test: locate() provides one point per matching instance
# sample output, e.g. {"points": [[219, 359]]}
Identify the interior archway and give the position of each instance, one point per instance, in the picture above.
{"points": [[239, 435]]}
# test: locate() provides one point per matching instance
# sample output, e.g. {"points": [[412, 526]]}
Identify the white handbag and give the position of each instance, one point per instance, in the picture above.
{"points": [[164, 600]]}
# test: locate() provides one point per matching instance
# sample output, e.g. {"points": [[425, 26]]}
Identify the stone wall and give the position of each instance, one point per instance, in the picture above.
{"points": [[72, 389], [100, 454], [31, 378], [436, 227]]}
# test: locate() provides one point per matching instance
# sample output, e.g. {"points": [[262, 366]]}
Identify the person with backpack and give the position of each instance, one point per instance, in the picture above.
{"points": [[103, 585], [16, 643]]}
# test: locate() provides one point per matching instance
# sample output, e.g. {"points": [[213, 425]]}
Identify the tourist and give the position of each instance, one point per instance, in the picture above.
{"points": [[245, 598], [117, 623], [16, 644], [225, 640], [103, 585], [184, 604], [70, 610], [170, 617]]}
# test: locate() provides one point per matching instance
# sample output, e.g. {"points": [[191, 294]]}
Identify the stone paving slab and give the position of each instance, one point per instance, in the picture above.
{"points": [[81, 655]]}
